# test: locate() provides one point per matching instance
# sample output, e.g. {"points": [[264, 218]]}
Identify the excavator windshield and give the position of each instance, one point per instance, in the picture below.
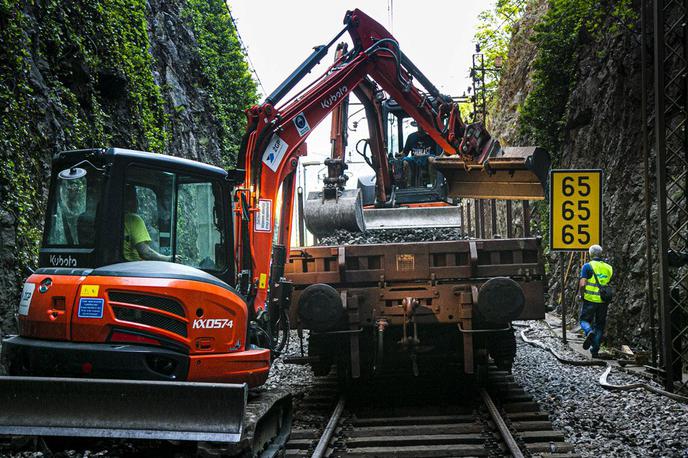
{"points": [[112, 205], [411, 166]]}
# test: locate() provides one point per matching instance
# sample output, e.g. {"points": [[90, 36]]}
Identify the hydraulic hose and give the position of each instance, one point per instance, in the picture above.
{"points": [[603, 378]]}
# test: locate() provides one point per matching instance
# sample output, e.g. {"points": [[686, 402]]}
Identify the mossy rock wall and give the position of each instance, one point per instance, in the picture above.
{"points": [[572, 84], [166, 76]]}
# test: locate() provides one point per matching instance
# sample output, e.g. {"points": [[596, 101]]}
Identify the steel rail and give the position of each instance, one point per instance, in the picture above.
{"points": [[501, 425], [324, 441]]}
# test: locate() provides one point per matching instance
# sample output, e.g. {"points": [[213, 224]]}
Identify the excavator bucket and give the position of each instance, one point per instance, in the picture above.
{"points": [[325, 215], [513, 173], [412, 217], [189, 411]]}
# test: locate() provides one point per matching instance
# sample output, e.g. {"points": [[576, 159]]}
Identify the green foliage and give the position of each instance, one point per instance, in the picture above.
{"points": [[232, 90], [19, 194], [101, 66], [567, 26], [71, 52], [558, 39], [493, 35]]}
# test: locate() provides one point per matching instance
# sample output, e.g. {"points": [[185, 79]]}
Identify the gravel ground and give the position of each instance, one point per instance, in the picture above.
{"points": [[599, 422], [294, 378], [342, 237]]}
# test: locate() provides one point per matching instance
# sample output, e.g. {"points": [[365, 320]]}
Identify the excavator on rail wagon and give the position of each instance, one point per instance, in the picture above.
{"points": [[110, 345], [402, 195]]}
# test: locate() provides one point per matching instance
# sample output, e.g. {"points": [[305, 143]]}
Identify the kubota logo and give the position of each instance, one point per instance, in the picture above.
{"points": [[211, 323], [332, 98], [59, 261]]}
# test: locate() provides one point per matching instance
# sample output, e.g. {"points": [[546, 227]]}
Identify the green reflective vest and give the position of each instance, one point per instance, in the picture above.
{"points": [[592, 289]]}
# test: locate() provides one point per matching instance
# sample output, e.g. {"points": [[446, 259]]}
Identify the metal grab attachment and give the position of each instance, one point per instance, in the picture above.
{"points": [[46, 406], [516, 173]]}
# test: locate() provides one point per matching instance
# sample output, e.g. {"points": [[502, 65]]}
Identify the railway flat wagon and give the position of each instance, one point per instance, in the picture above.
{"points": [[417, 305]]}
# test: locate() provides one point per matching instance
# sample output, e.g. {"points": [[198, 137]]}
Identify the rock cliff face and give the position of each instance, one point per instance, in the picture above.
{"points": [[516, 82], [601, 129], [128, 73], [193, 128]]}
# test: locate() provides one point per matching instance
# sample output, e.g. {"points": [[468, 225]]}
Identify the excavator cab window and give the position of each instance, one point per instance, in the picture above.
{"points": [[73, 210], [177, 215]]}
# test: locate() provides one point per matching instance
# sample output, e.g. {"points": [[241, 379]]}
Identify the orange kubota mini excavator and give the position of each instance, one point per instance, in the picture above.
{"points": [[117, 341]]}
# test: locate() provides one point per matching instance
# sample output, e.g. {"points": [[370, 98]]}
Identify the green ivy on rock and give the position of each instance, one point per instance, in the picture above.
{"points": [[232, 90], [558, 38]]}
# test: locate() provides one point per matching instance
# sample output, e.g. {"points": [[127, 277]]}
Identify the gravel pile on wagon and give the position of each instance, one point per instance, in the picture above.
{"points": [[343, 237], [600, 422]]}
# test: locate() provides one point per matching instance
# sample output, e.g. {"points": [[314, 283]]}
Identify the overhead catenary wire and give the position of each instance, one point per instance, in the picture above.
{"points": [[244, 50]]}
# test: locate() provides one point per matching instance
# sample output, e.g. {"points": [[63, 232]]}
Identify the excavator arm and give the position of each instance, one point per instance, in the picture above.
{"points": [[277, 132]]}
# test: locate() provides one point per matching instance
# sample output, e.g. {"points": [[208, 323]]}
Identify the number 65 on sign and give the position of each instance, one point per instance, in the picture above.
{"points": [[575, 213]]}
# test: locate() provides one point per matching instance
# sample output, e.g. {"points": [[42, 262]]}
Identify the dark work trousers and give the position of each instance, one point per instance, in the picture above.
{"points": [[593, 318]]}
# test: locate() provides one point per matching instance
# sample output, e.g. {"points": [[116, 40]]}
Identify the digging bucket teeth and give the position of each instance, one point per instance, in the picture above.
{"points": [[513, 173], [188, 411], [324, 216], [412, 217]]}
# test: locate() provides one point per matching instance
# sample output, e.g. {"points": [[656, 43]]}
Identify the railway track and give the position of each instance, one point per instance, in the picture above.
{"points": [[400, 416]]}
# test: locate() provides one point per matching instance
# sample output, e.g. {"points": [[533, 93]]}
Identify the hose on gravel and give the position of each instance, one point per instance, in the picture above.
{"points": [[603, 378]]}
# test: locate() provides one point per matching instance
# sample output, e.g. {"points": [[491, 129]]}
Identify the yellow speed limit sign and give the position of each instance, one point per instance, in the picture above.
{"points": [[575, 214]]}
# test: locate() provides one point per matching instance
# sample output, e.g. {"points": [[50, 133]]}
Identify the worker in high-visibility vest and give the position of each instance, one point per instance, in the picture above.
{"points": [[593, 316]]}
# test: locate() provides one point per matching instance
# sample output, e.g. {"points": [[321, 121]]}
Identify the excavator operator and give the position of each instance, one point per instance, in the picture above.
{"points": [[419, 146], [136, 237]]}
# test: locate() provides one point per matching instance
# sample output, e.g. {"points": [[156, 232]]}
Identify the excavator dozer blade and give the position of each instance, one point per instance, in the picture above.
{"points": [[514, 173], [189, 411], [412, 217], [324, 216]]}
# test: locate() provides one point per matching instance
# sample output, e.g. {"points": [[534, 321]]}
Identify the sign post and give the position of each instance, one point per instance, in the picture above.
{"points": [[575, 217]]}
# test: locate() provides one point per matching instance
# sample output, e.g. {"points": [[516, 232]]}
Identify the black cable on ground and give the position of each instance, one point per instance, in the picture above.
{"points": [[603, 378]]}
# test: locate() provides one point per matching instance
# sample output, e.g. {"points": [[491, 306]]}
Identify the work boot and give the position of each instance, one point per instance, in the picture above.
{"points": [[595, 355], [588, 340]]}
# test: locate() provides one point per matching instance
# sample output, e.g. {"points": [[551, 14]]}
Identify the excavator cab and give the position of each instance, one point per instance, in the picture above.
{"points": [[419, 193], [104, 202], [412, 174]]}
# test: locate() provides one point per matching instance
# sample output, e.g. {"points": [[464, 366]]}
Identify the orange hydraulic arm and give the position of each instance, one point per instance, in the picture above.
{"points": [[276, 135]]}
